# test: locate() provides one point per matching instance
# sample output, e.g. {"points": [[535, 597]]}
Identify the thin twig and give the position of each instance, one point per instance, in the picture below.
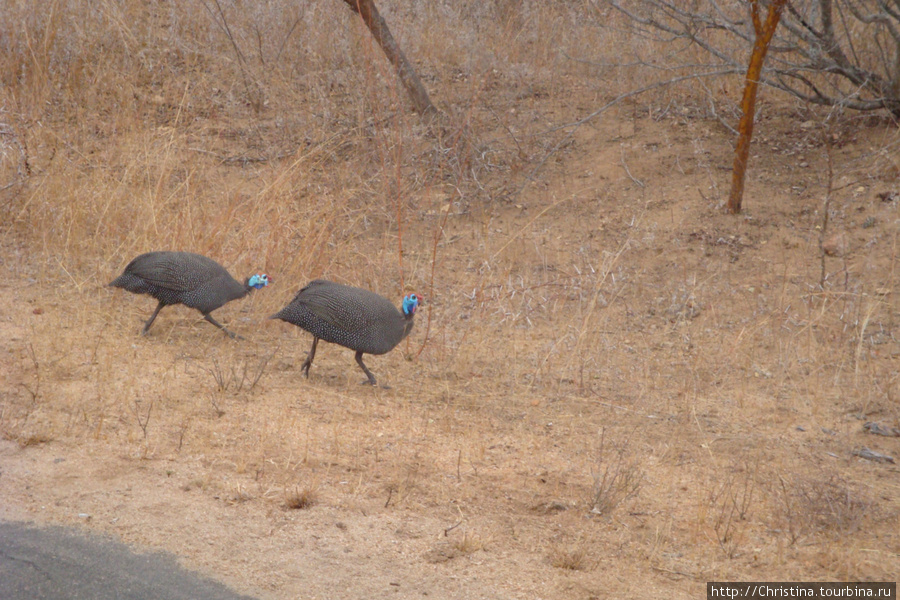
{"points": [[819, 46], [451, 528], [627, 170], [827, 208]]}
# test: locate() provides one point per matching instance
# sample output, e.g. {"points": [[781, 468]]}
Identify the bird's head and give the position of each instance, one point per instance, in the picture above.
{"points": [[410, 303], [258, 281]]}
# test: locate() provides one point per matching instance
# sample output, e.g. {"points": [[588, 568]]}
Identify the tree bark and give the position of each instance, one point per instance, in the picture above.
{"points": [[764, 33], [375, 22]]}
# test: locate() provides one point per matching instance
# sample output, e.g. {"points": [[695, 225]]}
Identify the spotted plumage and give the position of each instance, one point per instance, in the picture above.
{"points": [[185, 278], [351, 317]]}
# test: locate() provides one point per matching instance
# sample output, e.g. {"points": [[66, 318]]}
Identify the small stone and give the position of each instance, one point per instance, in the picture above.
{"points": [[835, 245]]}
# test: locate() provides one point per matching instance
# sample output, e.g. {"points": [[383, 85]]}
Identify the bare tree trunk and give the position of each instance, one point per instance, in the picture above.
{"points": [[376, 24], [764, 33]]}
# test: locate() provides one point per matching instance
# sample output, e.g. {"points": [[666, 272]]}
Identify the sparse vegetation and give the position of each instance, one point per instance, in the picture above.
{"points": [[573, 558], [468, 543], [830, 52], [617, 476], [237, 376], [597, 334], [194, 484], [299, 498], [731, 500], [33, 439], [808, 506]]}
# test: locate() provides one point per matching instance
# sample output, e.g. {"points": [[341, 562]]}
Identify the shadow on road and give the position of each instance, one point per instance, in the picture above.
{"points": [[59, 563]]}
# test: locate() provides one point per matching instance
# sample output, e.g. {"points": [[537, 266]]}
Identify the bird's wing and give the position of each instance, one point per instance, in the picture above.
{"points": [[339, 316], [179, 272]]}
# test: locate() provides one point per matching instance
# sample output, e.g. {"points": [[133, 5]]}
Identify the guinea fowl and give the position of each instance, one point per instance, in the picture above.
{"points": [[185, 278], [351, 317]]}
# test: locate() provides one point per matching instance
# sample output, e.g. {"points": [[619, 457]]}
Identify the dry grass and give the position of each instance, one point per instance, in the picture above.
{"points": [[829, 505], [617, 477], [571, 558], [469, 543], [595, 340], [300, 498]]}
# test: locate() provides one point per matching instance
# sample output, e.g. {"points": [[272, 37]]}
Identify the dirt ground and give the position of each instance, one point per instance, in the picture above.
{"points": [[614, 390], [727, 378]]}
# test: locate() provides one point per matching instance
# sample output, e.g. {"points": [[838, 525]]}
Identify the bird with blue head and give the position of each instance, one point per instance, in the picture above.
{"points": [[186, 278], [351, 317]]}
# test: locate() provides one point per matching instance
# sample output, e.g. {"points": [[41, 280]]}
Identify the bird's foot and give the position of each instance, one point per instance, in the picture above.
{"points": [[233, 335]]}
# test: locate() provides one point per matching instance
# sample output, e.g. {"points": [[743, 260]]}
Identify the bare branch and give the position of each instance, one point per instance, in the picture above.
{"points": [[830, 52], [368, 12]]}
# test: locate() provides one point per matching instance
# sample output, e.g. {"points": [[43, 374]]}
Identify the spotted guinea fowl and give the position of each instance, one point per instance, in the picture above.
{"points": [[351, 317], [185, 278]]}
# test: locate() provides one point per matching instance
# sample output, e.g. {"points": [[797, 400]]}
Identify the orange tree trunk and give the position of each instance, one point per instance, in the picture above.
{"points": [[378, 27], [764, 33]]}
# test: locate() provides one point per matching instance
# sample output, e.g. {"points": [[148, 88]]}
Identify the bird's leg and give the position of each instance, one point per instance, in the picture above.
{"points": [[222, 327], [152, 318], [368, 373], [309, 358]]}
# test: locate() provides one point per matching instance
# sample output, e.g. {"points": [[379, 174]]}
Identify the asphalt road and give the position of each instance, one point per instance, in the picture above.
{"points": [[58, 563]]}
